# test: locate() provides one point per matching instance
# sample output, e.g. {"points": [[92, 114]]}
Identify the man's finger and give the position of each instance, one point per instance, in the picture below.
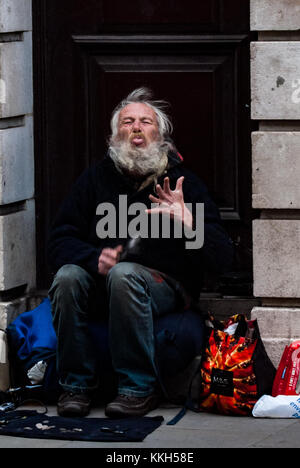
{"points": [[154, 199], [110, 253], [107, 262], [179, 183], [160, 191], [167, 185]]}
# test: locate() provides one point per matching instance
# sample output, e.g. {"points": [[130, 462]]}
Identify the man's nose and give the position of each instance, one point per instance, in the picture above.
{"points": [[136, 126]]}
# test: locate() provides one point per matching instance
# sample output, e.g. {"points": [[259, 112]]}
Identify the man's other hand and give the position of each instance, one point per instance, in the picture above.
{"points": [[108, 258]]}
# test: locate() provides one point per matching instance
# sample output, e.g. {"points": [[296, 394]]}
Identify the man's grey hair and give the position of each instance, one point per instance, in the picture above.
{"points": [[144, 96]]}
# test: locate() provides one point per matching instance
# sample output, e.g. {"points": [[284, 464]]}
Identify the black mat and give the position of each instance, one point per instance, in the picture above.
{"points": [[33, 425]]}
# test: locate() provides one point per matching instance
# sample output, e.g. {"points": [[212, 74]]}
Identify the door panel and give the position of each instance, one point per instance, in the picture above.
{"points": [[89, 54]]}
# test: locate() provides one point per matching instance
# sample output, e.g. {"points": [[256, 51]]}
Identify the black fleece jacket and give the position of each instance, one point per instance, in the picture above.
{"points": [[73, 238]]}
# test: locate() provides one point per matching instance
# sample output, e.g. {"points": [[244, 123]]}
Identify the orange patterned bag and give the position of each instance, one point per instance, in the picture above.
{"points": [[236, 370]]}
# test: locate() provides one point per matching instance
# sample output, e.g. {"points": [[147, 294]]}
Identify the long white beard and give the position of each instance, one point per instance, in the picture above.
{"points": [[139, 162]]}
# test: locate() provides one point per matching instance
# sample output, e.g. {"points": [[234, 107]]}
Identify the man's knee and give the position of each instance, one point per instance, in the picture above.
{"points": [[124, 269], [69, 277], [123, 273]]}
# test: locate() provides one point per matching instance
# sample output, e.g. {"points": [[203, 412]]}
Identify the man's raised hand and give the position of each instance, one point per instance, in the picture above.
{"points": [[171, 202]]}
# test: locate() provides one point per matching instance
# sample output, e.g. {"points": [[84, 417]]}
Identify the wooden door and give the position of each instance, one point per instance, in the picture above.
{"points": [[89, 54]]}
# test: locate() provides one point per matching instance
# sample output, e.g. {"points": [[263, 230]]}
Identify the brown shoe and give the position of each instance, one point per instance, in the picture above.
{"points": [[125, 406], [74, 404]]}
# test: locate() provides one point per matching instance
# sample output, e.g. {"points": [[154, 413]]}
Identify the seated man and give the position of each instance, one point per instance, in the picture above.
{"points": [[127, 281]]}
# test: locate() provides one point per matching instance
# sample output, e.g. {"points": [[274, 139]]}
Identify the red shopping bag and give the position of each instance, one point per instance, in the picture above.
{"points": [[236, 370], [287, 376]]}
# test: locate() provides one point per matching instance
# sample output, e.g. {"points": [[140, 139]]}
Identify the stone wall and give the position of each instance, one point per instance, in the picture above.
{"points": [[275, 83], [17, 208]]}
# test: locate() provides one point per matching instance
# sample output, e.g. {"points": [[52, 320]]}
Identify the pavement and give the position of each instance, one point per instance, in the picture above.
{"points": [[193, 431]]}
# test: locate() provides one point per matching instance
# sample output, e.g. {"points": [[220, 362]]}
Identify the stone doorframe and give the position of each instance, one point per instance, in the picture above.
{"points": [[275, 65]]}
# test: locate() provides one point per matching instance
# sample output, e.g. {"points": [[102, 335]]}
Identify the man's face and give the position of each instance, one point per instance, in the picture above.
{"points": [[138, 125]]}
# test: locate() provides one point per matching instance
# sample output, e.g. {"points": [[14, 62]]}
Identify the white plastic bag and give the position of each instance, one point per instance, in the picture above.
{"points": [[3, 348], [37, 372], [281, 406]]}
